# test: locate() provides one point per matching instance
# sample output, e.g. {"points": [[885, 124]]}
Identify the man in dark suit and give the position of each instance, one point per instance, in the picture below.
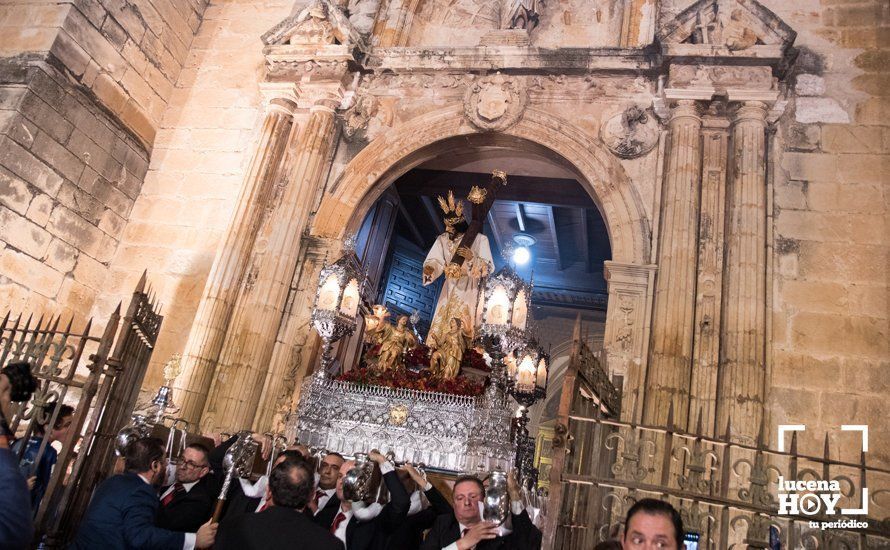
{"points": [[188, 503], [239, 503], [282, 524], [325, 503], [464, 529], [122, 512], [409, 534], [370, 534]]}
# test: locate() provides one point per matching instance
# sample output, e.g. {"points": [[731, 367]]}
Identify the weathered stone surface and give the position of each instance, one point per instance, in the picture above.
{"points": [[820, 109]]}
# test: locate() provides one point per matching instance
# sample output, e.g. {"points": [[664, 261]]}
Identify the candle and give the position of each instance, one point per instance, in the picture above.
{"points": [[327, 298], [527, 372], [349, 305], [542, 373], [520, 310], [498, 306]]}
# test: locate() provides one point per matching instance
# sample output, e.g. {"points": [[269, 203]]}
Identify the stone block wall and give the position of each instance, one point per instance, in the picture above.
{"points": [[831, 335], [69, 175], [83, 87], [197, 168]]}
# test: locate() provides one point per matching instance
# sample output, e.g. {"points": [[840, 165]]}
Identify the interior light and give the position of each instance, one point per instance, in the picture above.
{"points": [[521, 255]]}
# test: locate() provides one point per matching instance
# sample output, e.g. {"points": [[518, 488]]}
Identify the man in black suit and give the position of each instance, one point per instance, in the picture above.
{"points": [[238, 502], [122, 512], [464, 529], [409, 534], [188, 503], [282, 524], [325, 503], [370, 534]]}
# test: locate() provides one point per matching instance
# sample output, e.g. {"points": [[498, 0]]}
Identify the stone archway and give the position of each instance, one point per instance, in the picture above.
{"points": [[630, 274], [430, 135]]}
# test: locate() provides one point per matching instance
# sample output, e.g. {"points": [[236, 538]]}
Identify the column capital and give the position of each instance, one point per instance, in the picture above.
{"points": [[280, 96], [617, 273], [686, 108], [751, 110]]}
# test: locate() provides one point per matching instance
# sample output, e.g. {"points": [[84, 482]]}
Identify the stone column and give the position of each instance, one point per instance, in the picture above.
{"points": [[295, 347], [743, 327], [706, 339], [235, 392], [668, 376], [220, 292]]}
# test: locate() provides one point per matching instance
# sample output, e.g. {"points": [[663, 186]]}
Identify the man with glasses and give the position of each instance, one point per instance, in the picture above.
{"points": [[324, 505], [121, 513], [187, 503]]}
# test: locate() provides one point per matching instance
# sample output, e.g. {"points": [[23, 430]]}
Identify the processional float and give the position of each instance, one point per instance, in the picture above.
{"points": [[446, 432]]}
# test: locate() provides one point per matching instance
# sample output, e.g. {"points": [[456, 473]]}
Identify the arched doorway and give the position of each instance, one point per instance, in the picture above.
{"points": [[629, 274]]}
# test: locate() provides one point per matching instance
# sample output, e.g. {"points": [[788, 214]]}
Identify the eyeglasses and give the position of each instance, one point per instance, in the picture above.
{"points": [[191, 464]]}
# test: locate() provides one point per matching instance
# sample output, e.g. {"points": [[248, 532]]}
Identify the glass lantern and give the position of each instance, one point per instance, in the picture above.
{"points": [[337, 301]]}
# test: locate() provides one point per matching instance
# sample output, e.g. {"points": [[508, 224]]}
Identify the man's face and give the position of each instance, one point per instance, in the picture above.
{"points": [[645, 531], [192, 467], [329, 471], [467, 496], [5, 397], [159, 471], [344, 469]]}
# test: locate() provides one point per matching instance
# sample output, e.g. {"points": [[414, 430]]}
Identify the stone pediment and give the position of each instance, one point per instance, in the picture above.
{"points": [[726, 28], [321, 23]]}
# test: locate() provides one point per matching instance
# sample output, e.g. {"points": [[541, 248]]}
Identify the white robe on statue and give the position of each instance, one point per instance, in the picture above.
{"points": [[459, 297]]}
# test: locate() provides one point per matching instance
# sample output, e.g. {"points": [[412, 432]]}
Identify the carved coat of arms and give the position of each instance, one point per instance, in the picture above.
{"points": [[495, 102]]}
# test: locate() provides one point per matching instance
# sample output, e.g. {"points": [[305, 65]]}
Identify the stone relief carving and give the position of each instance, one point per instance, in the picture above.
{"points": [[495, 102], [630, 134], [524, 14], [722, 77], [356, 119], [723, 27]]}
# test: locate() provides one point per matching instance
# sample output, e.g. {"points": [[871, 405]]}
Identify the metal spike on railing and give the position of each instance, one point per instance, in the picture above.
{"points": [[140, 286], [28, 324], [794, 443], [698, 424], [70, 322], [763, 433], [670, 419], [727, 434]]}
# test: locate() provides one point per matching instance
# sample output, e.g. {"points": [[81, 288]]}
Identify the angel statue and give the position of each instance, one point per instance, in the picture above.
{"points": [[449, 351], [463, 283], [394, 341]]}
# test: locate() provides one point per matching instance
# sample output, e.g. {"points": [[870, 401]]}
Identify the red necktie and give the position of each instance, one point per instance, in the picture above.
{"points": [[168, 498], [337, 521], [264, 507], [318, 495], [464, 532]]}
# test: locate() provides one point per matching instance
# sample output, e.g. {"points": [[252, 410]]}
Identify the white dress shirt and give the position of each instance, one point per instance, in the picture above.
{"points": [[516, 507], [186, 486], [340, 533], [188, 542]]}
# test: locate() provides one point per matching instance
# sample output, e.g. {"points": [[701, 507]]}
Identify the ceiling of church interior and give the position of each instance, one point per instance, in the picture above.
{"points": [[543, 199]]}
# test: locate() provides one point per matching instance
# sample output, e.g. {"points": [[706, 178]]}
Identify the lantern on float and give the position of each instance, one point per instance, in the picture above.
{"points": [[337, 300]]}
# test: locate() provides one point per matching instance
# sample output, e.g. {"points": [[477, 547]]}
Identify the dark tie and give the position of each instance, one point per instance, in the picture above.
{"points": [[318, 495], [177, 488], [464, 532], [337, 521]]}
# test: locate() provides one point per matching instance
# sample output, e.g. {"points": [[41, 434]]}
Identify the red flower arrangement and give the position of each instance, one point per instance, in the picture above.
{"points": [[412, 381], [418, 358], [472, 359]]}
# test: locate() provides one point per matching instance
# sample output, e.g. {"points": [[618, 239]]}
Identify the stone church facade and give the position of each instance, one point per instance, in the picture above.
{"points": [[736, 149]]}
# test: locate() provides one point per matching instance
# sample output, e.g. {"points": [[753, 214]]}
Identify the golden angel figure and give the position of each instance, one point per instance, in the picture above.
{"points": [[460, 293], [394, 341], [449, 351]]}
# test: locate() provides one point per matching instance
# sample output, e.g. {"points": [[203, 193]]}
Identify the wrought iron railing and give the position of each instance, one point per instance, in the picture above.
{"points": [[726, 491], [79, 368]]}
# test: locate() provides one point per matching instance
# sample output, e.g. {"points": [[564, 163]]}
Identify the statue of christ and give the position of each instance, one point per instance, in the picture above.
{"points": [[459, 298]]}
